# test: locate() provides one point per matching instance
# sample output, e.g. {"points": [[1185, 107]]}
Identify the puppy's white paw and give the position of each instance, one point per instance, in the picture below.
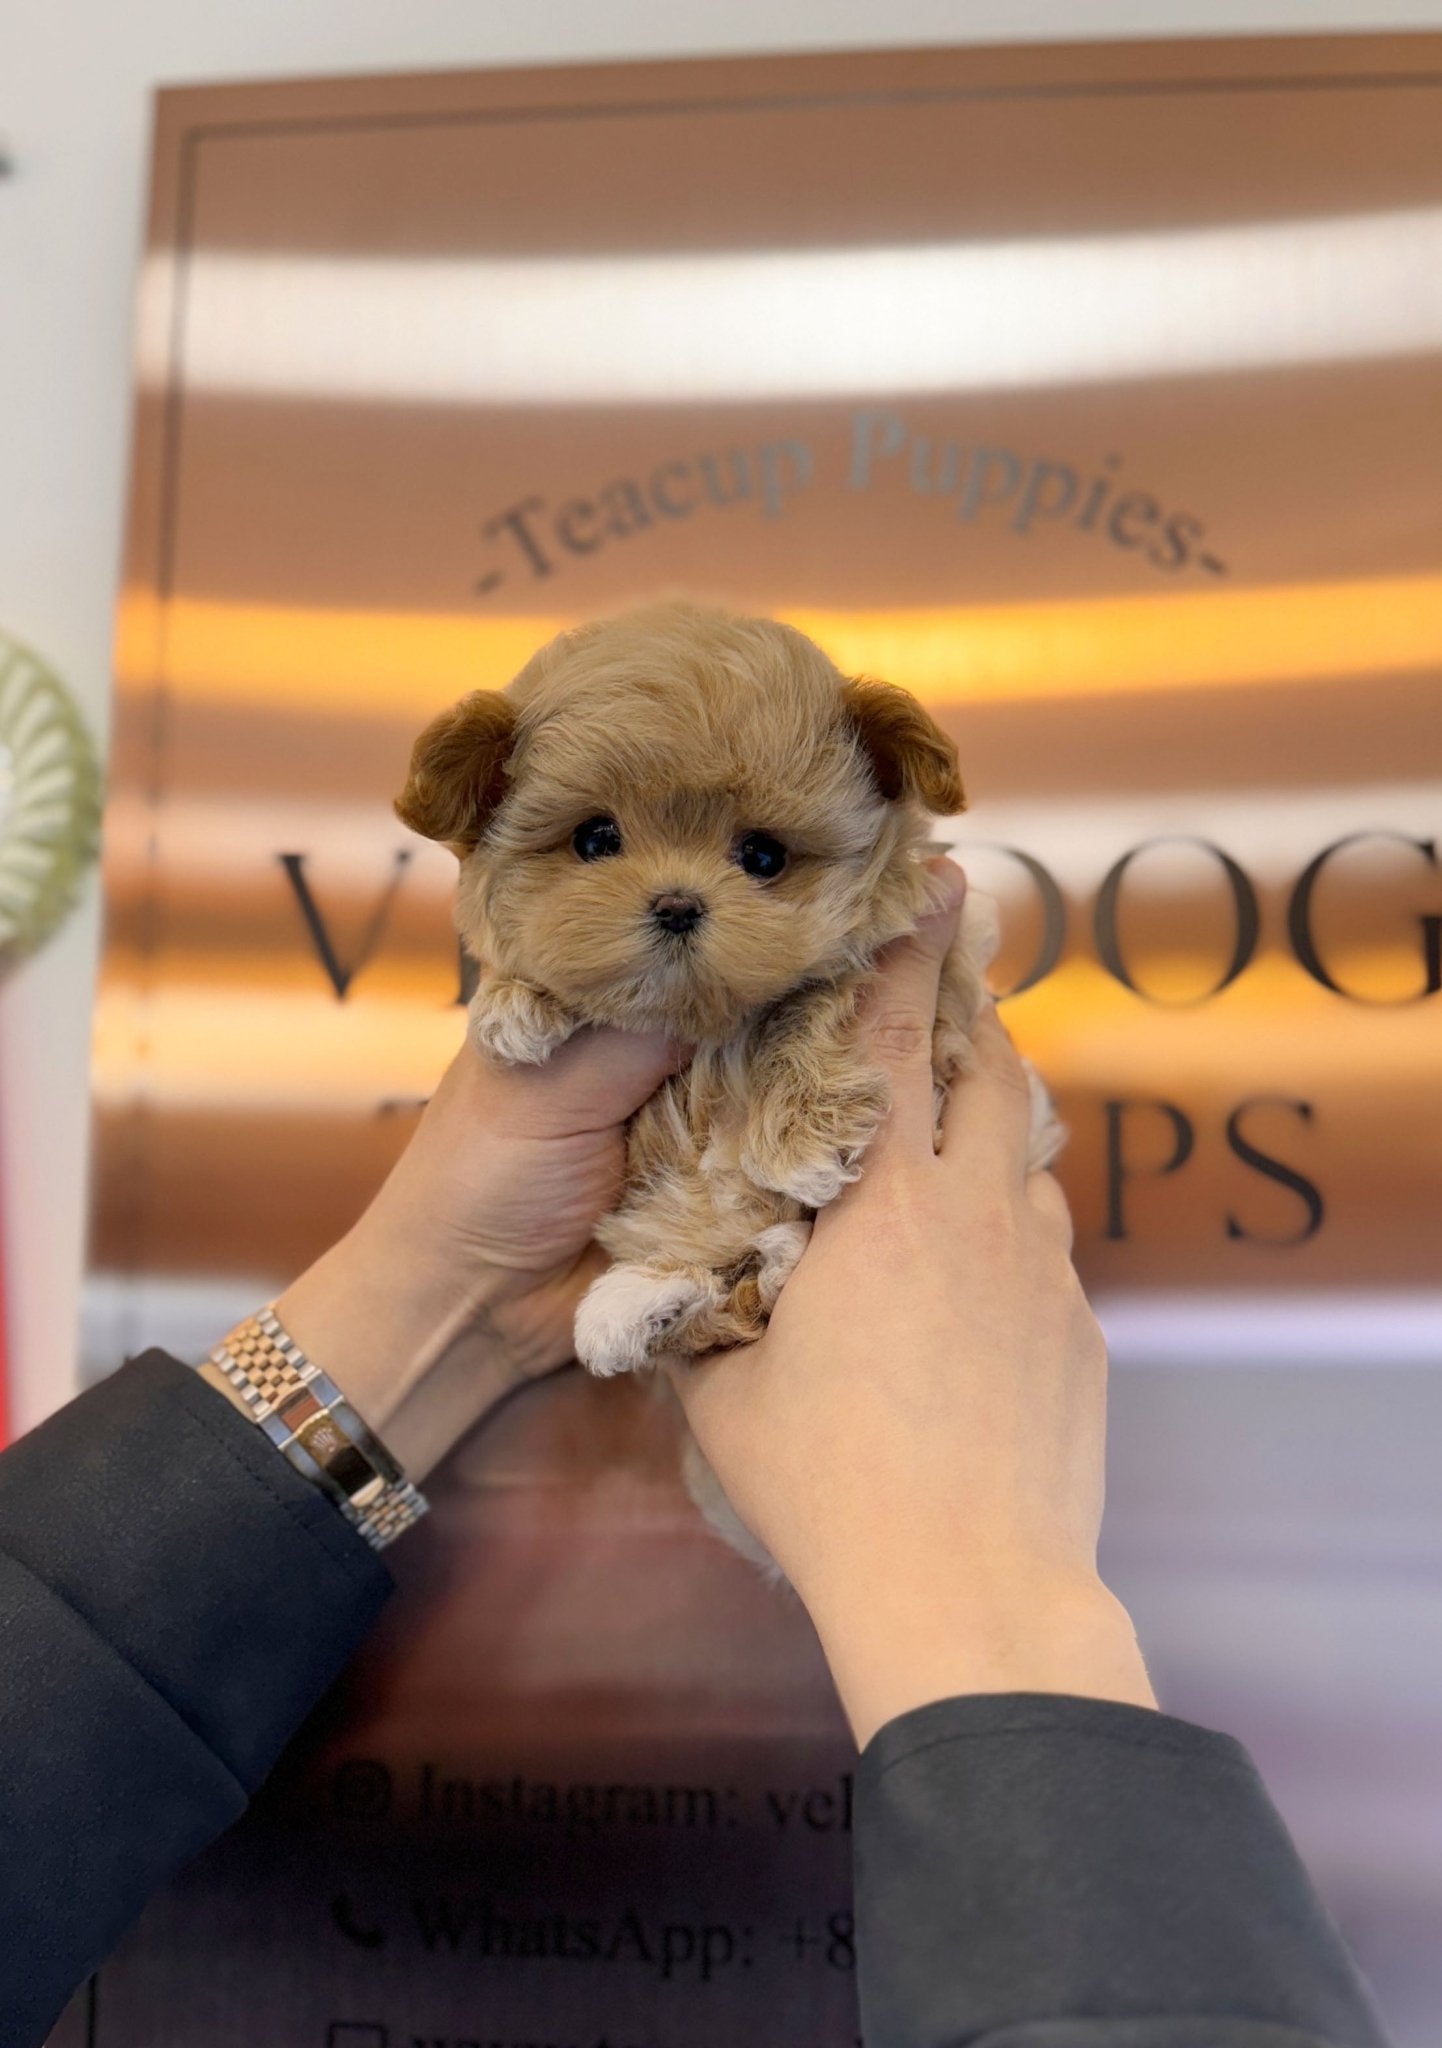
{"points": [[626, 1316], [1047, 1133], [780, 1246], [516, 1025]]}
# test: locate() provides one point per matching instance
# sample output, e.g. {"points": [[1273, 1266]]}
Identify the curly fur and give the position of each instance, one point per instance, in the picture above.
{"points": [[691, 727]]}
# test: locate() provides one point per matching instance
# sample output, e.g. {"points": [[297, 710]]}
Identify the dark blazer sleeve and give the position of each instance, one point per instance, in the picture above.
{"points": [[1037, 1871], [173, 1601]]}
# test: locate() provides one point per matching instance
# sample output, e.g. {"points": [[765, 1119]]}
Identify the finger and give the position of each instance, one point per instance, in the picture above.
{"points": [[898, 1016], [597, 1079], [606, 1075], [986, 1128], [1048, 1198]]}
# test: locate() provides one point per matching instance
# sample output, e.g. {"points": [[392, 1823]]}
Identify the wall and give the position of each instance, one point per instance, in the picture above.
{"points": [[75, 84]]}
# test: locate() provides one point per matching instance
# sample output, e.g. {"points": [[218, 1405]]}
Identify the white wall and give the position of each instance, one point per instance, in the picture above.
{"points": [[75, 84]]}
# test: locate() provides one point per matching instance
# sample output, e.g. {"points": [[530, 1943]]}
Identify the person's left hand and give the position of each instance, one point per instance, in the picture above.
{"points": [[461, 1279]]}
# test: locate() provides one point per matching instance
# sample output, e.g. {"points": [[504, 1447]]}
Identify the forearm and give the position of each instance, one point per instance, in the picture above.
{"points": [[419, 1351], [461, 1278], [933, 1631], [173, 1601]]}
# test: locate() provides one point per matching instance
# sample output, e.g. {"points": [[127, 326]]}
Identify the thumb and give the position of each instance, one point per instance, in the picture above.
{"points": [[599, 1077]]}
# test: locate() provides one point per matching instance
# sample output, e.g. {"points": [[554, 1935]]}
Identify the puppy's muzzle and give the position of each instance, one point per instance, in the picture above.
{"points": [[677, 914]]}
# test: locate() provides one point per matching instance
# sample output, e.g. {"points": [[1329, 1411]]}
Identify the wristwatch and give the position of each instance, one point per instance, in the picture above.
{"points": [[308, 1419]]}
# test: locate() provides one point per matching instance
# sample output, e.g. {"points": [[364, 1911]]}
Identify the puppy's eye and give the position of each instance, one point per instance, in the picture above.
{"points": [[597, 839], [761, 855]]}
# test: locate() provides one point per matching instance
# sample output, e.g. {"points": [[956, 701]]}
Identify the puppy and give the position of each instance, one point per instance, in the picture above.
{"points": [[681, 819]]}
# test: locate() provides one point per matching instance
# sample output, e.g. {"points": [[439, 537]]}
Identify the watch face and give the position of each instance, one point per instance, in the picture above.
{"points": [[49, 800]]}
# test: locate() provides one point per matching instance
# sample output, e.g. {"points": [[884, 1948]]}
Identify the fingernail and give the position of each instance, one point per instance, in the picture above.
{"points": [[951, 881]]}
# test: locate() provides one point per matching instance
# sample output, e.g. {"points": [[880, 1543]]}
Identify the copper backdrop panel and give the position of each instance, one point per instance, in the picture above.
{"points": [[1092, 393]]}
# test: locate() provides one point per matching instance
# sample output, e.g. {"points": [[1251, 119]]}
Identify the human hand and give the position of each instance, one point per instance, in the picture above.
{"points": [[462, 1277], [919, 1437]]}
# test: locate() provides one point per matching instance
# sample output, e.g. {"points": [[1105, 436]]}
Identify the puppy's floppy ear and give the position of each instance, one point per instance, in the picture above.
{"points": [[910, 754], [458, 770]]}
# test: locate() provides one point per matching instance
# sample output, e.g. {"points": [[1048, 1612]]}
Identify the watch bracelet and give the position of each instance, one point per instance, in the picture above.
{"points": [[314, 1427]]}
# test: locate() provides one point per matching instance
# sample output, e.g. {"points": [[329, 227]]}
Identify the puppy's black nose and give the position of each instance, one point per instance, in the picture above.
{"points": [[677, 913]]}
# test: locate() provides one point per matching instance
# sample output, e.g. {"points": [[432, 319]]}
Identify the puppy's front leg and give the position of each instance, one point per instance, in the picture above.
{"points": [[815, 1099], [517, 1024]]}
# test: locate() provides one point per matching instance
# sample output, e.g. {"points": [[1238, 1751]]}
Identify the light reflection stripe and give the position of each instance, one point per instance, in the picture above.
{"points": [[233, 1044], [406, 664], [727, 326], [1275, 1329], [228, 843], [1299, 1328]]}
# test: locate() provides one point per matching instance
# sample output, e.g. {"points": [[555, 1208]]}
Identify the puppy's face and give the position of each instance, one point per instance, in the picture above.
{"points": [[674, 817], [651, 878]]}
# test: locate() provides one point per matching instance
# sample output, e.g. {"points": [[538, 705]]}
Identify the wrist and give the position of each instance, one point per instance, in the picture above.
{"points": [[411, 1350], [1025, 1631], [306, 1416]]}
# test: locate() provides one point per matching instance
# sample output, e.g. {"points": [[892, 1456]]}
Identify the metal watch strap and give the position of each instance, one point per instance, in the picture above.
{"points": [[309, 1420]]}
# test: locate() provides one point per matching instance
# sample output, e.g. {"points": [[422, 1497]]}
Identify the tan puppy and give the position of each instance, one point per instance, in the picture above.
{"points": [[681, 819]]}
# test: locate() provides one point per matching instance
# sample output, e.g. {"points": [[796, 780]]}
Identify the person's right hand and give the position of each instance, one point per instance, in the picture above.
{"points": [[461, 1279], [919, 1438]]}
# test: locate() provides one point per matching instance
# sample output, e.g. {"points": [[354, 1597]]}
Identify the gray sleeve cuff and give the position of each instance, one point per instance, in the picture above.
{"points": [[1040, 1871]]}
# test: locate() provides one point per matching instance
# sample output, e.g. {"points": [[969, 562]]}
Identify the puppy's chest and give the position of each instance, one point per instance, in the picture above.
{"points": [[698, 1121], [773, 1112]]}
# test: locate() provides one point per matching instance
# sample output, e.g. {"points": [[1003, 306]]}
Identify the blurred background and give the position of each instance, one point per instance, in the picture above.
{"points": [[1092, 394], [75, 120]]}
